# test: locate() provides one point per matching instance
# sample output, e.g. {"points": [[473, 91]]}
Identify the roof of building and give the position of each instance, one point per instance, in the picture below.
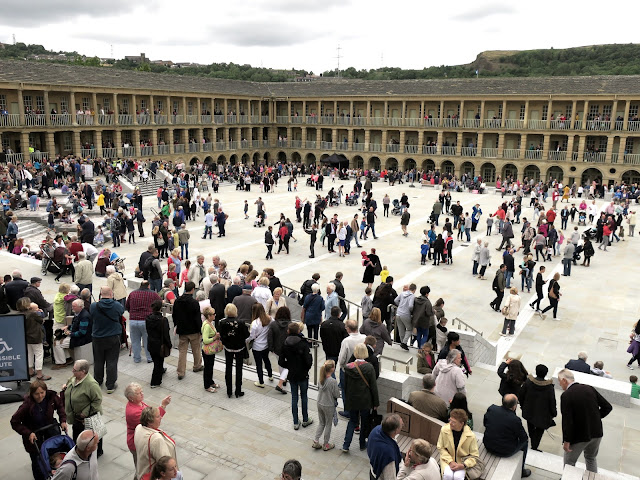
{"points": [[41, 73]]}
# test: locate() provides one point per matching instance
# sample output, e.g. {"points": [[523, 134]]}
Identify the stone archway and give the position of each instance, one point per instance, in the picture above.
{"points": [[357, 162], [282, 157], [409, 164], [267, 158], [295, 157], [509, 170], [447, 167], [310, 159], [468, 168], [256, 159], [555, 173], [391, 164], [245, 159], [222, 159], [374, 163], [532, 172], [208, 160], [428, 165], [630, 177], [488, 172], [233, 160], [194, 161], [590, 175]]}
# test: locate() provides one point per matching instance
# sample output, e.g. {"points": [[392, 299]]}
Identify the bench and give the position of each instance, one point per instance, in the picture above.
{"points": [[574, 473], [418, 425], [615, 391]]}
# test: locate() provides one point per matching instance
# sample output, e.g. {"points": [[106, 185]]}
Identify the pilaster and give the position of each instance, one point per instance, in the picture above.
{"points": [[98, 141], [72, 108], [24, 145], [21, 106], [47, 108]]}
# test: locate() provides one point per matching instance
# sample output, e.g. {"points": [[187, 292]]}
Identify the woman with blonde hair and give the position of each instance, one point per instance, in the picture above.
{"points": [[115, 282], [374, 327], [457, 457], [328, 393], [233, 334], [259, 334], [275, 302], [510, 310], [209, 335]]}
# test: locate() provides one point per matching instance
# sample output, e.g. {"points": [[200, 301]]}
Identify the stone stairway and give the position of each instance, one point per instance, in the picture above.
{"points": [[150, 187], [32, 231]]}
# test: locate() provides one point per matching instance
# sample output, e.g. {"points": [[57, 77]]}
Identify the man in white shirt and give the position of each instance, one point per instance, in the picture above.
{"points": [[208, 225], [80, 462], [346, 350]]}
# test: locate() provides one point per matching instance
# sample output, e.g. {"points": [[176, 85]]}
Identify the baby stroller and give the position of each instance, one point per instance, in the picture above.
{"points": [[333, 202], [48, 445], [260, 221], [48, 265], [351, 200], [310, 182], [582, 218], [576, 254], [396, 210], [590, 233]]}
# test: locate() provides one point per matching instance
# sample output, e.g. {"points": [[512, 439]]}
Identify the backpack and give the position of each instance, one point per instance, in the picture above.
{"points": [[147, 270]]}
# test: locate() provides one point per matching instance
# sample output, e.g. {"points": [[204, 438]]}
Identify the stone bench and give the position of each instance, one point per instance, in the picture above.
{"points": [[574, 473], [615, 391], [134, 283], [419, 425]]}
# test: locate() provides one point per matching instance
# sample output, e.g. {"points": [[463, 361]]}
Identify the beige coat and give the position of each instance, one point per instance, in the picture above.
{"points": [[426, 471], [116, 283], [155, 441], [513, 304], [272, 307]]}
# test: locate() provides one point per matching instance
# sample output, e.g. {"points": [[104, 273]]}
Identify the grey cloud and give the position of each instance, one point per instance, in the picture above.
{"points": [[296, 6], [28, 13], [484, 11], [264, 34]]}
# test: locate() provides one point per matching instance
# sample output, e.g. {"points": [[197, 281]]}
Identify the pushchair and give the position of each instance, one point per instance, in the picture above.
{"points": [[397, 209], [590, 233], [48, 264], [351, 199], [576, 254], [310, 182], [49, 445], [582, 218], [260, 221]]}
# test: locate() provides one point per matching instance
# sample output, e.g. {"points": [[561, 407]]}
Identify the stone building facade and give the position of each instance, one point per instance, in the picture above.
{"points": [[569, 128]]}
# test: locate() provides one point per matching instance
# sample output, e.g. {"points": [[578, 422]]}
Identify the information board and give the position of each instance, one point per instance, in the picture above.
{"points": [[13, 349]]}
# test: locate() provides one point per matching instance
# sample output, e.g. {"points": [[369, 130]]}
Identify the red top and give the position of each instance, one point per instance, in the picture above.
{"points": [[74, 248], [132, 415], [139, 303]]}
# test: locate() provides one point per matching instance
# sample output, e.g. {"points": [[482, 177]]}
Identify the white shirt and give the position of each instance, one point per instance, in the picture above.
{"points": [[89, 249], [259, 335], [262, 295], [347, 346]]}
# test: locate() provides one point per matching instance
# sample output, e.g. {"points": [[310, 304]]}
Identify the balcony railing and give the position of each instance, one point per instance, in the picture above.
{"points": [[233, 145], [471, 122], [310, 144], [632, 158], [146, 150], [490, 152], [255, 143], [88, 152], [84, 119], [538, 124], [244, 143], [296, 120], [128, 151], [311, 119], [104, 119], [14, 157], [221, 146], [393, 148], [205, 118], [177, 119], [10, 120], [358, 147], [358, 121], [296, 143], [560, 124], [265, 143], [411, 149], [143, 119], [376, 121], [191, 119], [614, 158], [194, 147], [162, 149], [619, 125], [33, 120], [218, 119], [601, 125], [448, 150], [594, 157], [232, 119], [255, 119], [394, 121], [282, 143], [326, 145], [574, 156], [282, 119], [468, 151], [109, 152], [178, 148], [511, 153], [533, 154], [450, 122], [511, 123], [40, 156], [207, 147], [61, 120], [429, 149], [327, 120], [633, 126], [343, 120], [493, 123], [577, 124], [243, 119], [375, 147], [558, 156], [125, 119], [265, 119]]}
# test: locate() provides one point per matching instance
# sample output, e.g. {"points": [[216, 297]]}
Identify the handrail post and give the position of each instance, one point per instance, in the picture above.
{"points": [[315, 363]]}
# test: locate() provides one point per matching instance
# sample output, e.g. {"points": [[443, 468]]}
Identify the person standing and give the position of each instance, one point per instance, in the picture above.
{"points": [[582, 408], [405, 302], [512, 310], [158, 341], [567, 259], [476, 257], [538, 402], [188, 323], [311, 314], [260, 327], [107, 328], [84, 272], [233, 334], [138, 305], [498, 287], [296, 358], [269, 242], [404, 221]]}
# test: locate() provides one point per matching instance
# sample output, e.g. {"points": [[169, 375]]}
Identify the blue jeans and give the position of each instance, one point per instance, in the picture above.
{"points": [[159, 202], [508, 275], [372, 227], [422, 334], [184, 248], [208, 230], [468, 232], [303, 385], [155, 284], [138, 331], [354, 416], [567, 266]]}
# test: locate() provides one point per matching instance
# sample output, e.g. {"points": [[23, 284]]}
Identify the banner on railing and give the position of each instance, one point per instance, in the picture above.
{"points": [[13, 349]]}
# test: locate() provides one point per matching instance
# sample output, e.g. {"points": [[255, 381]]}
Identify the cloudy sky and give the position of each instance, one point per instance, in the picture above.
{"points": [[306, 33]]}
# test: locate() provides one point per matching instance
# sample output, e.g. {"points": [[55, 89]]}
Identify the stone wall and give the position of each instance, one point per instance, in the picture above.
{"points": [[477, 348]]}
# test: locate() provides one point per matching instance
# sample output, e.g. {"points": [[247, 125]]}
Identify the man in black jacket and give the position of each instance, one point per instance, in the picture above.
{"points": [[582, 409], [15, 288], [217, 298], [186, 318], [305, 288], [332, 332], [296, 357], [504, 434], [540, 281], [144, 256], [580, 364], [340, 291]]}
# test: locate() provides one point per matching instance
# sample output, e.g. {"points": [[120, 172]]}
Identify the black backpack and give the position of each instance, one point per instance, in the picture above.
{"points": [[147, 269]]}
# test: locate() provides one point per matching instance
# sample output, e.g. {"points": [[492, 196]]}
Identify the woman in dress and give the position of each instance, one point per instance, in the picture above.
{"points": [[369, 262]]}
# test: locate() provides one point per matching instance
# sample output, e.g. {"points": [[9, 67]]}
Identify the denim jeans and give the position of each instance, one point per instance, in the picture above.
{"points": [[567, 266], [209, 230], [184, 249], [138, 331], [155, 284], [422, 336], [159, 202], [303, 385], [508, 275], [357, 417], [261, 356], [372, 227]]}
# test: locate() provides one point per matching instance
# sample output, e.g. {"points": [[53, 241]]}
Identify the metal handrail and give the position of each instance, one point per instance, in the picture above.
{"points": [[348, 302], [467, 327], [395, 360]]}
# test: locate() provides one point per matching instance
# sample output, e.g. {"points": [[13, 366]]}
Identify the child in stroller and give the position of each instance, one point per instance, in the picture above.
{"points": [[52, 450], [261, 217], [397, 210], [352, 199], [582, 218]]}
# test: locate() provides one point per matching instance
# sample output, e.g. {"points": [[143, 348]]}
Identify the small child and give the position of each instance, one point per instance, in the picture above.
{"points": [[171, 273], [384, 274], [424, 251], [441, 333], [50, 220], [489, 224], [363, 226], [131, 229], [366, 304], [55, 461], [635, 388], [246, 209], [460, 230], [328, 393], [295, 185], [99, 238], [621, 231]]}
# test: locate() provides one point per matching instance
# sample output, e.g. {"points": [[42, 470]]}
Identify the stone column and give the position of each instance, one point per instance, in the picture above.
{"points": [[335, 110], [625, 125], [442, 115], [304, 137], [422, 112], [152, 108], [76, 145], [24, 145], [545, 144], [526, 114], [549, 113], [574, 106], [420, 138], [21, 106], [570, 143], [501, 145], [367, 137], [482, 114], [72, 108], [334, 137], [50, 142], [304, 111], [384, 140], [402, 141], [461, 116], [118, 143], [440, 139], [368, 115], [184, 110], [581, 147], [504, 113], [609, 149], [168, 110], [384, 113], [98, 142], [351, 112], [523, 145], [480, 143], [47, 108], [585, 114], [115, 109]]}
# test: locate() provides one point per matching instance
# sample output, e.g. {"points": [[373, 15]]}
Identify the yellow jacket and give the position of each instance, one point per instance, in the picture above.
{"points": [[467, 446], [100, 201]]}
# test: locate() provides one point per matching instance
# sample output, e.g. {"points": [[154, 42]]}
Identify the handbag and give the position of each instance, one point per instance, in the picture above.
{"points": [[377, 269], [165, 350], [476, 471], [505, 310], [96, 423], [213, 347]]}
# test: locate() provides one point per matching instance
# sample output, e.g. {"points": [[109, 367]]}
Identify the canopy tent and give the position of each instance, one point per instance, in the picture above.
{"points": [[337, 160]]}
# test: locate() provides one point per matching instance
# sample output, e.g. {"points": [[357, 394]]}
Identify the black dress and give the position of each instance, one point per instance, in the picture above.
{"points": [[369, 276]]}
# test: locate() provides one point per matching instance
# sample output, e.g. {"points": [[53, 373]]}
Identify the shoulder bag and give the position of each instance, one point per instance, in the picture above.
{"points": [[377, 269], [214, 347], [476, 471], [147, 476], [96, 423]]}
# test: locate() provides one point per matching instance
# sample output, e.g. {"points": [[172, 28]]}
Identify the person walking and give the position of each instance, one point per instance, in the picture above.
{"points": [[485, 260], [510, 310], [553, 295], [404, 221], [540, 281], [405, 302], [498, 286], [296, 358], [538, 402], [328, 394], [233, 334], [269, 242], [313, 233]]}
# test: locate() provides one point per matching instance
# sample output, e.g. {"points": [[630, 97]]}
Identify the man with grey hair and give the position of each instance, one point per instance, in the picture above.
{"points": [[312, 308], [15, 288], [206, 281], [583, 409], [427, 402], [346, 350], [580, 364], [84, 272], [197, 272], [106, 331], [80, 463], [234, 290]]}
